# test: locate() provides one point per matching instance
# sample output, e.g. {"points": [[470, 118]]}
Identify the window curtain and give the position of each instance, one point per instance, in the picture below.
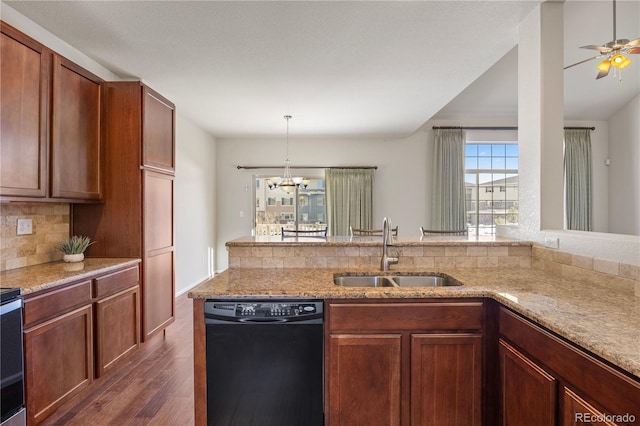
{"points": [[578, 179], [349, 195], [448, 209]]}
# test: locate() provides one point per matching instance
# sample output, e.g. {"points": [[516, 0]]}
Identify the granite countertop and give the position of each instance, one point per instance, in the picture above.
{"points": [[48, 275], [598, 317]]}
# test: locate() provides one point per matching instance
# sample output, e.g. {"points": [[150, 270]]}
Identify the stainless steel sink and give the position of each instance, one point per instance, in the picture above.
{"points": [[363, 281], [396, 280], [424, 281]]}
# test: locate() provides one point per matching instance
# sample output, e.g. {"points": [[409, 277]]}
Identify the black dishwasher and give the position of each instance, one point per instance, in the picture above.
{"points": [[264, 362]]}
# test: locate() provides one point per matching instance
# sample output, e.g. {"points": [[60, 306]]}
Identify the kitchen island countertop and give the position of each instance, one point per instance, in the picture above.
{"points": [[603, 318]]}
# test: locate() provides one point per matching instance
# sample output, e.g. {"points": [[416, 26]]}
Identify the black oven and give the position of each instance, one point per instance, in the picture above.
{"points": [[11, 361]]}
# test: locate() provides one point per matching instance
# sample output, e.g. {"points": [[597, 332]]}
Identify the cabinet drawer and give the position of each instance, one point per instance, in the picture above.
{"points": [[47, 305], [113, 283], [405, 316]]}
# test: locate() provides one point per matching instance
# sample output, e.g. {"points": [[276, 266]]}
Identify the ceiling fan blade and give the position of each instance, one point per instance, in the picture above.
{"points": [[583, 61], [603, 72], [601, 49], [635, 42], [634, 51]]}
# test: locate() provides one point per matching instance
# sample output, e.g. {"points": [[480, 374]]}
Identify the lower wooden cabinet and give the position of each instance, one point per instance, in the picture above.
{"points": [[576, 411], [76, 333], [446, 379], [117, 328], [547, 381], [364, 379], [58, 361], [528, 392], [401, 363]]}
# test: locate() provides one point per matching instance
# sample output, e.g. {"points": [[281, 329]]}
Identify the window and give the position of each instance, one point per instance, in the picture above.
{"points": [[308, 206], [491, 185]]}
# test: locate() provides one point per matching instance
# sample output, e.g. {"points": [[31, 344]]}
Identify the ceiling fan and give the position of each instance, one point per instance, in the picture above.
{"points": [[613, 52]]}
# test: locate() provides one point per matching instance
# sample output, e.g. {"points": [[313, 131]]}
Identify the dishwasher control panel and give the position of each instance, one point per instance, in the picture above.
{"points": [[262, 309]]}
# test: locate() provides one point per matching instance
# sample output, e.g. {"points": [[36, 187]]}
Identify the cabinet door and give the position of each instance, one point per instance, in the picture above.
{"points": [[576, 411], [76, 171], [117, 328], [158, 264], [529, 393], [24, 84], [364, 379], [58, 361], [158, 148], [446, 379]]}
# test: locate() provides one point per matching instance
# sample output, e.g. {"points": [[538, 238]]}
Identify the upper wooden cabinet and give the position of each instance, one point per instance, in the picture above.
{"points": [[51, 147], [158, 149], [75, 134], [24, 84]]}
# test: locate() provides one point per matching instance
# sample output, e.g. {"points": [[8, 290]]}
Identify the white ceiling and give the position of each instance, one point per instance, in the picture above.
{"points": [[338, 67]]}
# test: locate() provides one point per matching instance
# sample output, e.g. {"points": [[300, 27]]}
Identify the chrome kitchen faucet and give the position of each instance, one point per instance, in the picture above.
{"points": [[387, 240]]}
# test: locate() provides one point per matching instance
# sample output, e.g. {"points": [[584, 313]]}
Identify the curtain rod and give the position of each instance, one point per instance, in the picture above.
{"points": [[474, 128], [503, 128], [307, 167]]}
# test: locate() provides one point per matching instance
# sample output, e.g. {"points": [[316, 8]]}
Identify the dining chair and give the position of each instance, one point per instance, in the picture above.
{"points": [[370, 232], [434, 232], [322, 233]]}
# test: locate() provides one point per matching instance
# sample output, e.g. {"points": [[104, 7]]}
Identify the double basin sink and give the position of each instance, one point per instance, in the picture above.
{"points": [[396, 280]]}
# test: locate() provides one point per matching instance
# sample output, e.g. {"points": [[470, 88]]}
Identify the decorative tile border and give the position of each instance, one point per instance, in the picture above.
{"points": [[587, 268], [454, 256]]}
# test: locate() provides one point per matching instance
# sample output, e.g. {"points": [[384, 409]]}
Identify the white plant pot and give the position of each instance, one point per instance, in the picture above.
{"points": [[71, 258]]}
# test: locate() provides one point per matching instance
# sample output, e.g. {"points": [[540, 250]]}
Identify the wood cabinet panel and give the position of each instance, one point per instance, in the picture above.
{"points": [[364, 379], [112, 283], [612, 389], [159, 300], [136, 219], [406, 316], [47, 305], [117, 328], [158, 149], [75, 138], [446, 379], [158, 210], [529, 393], [58, 361], [576, 411], [24, 84]]}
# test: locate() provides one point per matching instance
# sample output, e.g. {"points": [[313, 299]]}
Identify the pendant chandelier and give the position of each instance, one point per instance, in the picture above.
{"points": [[287, 183]]}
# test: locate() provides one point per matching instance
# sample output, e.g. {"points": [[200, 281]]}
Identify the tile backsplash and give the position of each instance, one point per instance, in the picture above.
{"points": [[50, 226]]}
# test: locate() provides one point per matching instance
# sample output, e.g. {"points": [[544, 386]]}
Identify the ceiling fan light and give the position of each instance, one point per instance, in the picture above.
{"points": [[624, 63], [604, 65]]}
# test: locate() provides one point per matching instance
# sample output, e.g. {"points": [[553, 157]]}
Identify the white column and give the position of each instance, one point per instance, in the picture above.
{"points": [[540, 119]]}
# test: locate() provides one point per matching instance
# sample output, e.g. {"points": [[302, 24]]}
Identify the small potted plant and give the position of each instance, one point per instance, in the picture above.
{"points": [[74, 247]]}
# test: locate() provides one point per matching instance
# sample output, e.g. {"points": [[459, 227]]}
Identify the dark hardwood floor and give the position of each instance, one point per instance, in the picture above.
{"points": [[153, 386]]}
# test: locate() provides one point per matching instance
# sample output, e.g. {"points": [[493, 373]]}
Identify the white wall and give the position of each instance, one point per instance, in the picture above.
{"points": [[400, 182], [194, 204], [624, 171]]}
